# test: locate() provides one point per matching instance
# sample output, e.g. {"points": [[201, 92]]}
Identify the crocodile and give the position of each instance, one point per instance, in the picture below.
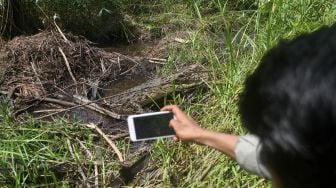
{"points": [[157, 88]]}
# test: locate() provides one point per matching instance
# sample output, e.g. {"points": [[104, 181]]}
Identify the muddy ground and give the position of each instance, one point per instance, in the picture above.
{"points": [[53, 74]]}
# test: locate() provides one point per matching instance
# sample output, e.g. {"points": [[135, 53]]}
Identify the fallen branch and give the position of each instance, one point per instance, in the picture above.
{"points": [[80, 99], [86, 103], [67, 65], [73, 106], [60, 31], [107, 139]]}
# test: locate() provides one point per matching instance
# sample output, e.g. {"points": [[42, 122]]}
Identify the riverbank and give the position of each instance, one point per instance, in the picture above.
{"points": [[228, 38]]}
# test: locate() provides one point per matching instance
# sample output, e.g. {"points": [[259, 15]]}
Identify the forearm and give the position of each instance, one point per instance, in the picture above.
{"points": [[186, 129], [223, 142]]}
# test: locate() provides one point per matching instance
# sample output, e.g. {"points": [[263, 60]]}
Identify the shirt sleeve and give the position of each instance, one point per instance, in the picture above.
{"points": [[247, 151]]}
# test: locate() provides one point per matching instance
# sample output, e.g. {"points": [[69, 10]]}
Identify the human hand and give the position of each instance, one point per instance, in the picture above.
{"points": [[186, 129]]}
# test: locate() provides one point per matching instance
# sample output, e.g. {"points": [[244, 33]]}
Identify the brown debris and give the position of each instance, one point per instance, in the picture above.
{"points": [[37, 64], [56, 68]]}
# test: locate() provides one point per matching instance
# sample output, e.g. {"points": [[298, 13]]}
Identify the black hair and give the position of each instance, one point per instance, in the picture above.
{"points": [[289, 102]]}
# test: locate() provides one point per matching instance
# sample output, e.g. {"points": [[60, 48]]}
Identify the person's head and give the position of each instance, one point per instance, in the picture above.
{"points": [[289, 102]]}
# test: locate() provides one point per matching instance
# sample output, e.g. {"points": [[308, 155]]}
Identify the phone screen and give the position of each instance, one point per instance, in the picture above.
{"points": [[153, 126]]}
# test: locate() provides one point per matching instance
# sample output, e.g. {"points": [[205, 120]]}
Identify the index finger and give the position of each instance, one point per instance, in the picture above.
{"points": [[175, 109]]}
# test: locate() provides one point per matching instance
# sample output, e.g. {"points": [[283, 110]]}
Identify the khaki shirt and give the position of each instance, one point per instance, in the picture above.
{"points": [[247, 152]]}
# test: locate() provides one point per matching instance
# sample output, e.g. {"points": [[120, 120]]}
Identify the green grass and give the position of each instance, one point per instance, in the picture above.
{"points": [[229, 38], [50, 153]]}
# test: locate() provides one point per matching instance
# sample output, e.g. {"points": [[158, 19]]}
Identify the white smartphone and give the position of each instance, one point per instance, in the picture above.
{"points": [[150, 126]]}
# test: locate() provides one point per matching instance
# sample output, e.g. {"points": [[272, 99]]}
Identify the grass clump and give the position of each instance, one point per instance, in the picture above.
{"points": [[51, 154], [229, 37]]}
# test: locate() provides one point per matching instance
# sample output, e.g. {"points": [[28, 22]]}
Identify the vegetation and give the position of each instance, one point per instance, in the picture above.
{"points": [[229, 37], [97, 20], [50, 153]]}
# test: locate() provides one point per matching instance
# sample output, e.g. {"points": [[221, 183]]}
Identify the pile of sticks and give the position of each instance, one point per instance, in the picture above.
{"points": [[44, 63]]}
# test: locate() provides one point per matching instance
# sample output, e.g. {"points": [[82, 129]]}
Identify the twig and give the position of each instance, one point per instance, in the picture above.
{"points": [[179, 40], [206, 171], [102, 66], [4, 92], [19, 111], [57, 101], [79, 167], [80, 99], [109, 141], [60, 31], [94, 88], [10, 93], [122, 135], [96, 175], [89, 155], [157, 59], [126, 57], [72, 107], [49, 110], [67, 65], [118, 61], [87, 151], [57, 112], [85, 103], [37, 76], [125, 72], [157, 62]]}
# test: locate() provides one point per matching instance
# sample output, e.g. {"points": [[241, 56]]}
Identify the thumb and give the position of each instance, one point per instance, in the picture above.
{"points": [[173, 123]]}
